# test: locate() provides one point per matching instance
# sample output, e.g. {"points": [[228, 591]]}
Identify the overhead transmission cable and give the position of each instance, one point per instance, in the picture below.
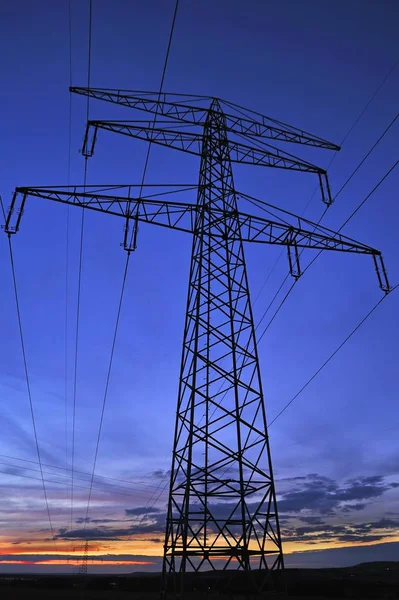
{"points": [[359, 117], [370, 101], [62, 483], [147, 486], [139, 494], [66, 324], [337, 349], [320, 251], [27, 379], [80, 271], [367, 155], [124, 279], [318, 222]]}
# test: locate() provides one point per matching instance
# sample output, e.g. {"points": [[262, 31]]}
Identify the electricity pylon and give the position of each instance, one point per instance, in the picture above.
{"points": [[222, 510], [82, 569]]}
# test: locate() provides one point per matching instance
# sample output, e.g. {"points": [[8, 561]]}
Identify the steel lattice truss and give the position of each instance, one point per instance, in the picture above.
{"points": [[222, 510], [222, 505]]}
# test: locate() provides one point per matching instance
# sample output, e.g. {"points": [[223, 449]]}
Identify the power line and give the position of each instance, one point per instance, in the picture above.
{"points": [[140, 495], [367, 155], [322, 216], [391, 70], [83, 487], [375, 188], [106, 387], [325, 363], [128, 262], [369, 102], [161, 88], [320, 251], [368, 196], [80, 269], [279, 306], [268, 277], [142, 183], [66, 328], [150, 504], [34, 462], [28, 384]]}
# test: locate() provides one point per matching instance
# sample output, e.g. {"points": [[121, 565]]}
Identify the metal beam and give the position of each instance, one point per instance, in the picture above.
{"points": [[180, 107]]}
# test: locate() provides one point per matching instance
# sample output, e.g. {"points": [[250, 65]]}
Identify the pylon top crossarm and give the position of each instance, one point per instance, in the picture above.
{"points": [[183, 216], [193, 109]]}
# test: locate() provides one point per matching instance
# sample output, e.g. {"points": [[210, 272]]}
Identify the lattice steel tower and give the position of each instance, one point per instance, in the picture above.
{"points": [[221, 449], [82, 567], [222, 510]]}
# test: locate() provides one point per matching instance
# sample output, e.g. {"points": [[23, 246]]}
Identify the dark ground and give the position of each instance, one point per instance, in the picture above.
{"points": [[368, 580]]}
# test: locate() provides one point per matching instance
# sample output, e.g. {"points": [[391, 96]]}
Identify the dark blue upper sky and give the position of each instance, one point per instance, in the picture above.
{"points": [[313, 64]]}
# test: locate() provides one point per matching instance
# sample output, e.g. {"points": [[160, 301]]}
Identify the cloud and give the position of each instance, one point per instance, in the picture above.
{"points": [[142, 510], [93, 533], [20, 435], [325, 496], [40, 558], [314, 509], [352, 507], [151, 522], [160, 474], [330, 503], [81, 520], [321, 531]]}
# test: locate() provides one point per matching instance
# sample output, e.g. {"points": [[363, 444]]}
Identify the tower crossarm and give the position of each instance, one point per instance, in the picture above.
{"points": [[184, 216], [175, 215], [180, 107], [256, 229], [191, 142], [266, 231], [152, 102]]}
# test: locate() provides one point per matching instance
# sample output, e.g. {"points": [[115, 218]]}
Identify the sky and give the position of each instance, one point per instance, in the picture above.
{"points": [[313, 64]]}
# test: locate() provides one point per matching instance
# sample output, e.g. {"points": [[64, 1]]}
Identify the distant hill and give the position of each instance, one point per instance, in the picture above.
{"points": [[371, 580]]}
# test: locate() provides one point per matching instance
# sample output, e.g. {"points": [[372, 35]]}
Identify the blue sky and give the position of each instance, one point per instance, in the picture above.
{"points": [[313, 64]]}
